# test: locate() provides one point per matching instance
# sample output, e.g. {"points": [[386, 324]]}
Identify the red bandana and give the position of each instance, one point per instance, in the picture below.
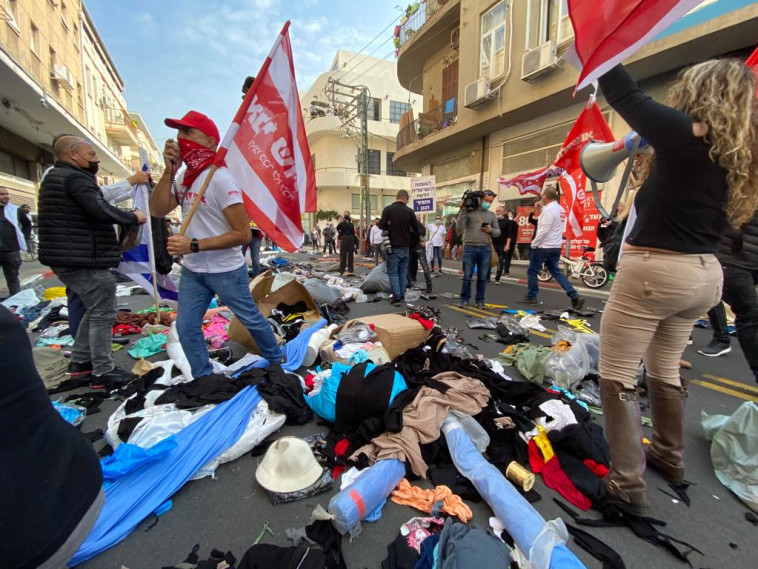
{"points": [[196, 157]]}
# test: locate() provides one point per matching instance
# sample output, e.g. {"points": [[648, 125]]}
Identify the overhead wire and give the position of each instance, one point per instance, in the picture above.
{"points": [[359, 52]]}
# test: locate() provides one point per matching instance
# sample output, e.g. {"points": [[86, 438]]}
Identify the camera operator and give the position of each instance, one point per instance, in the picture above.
{"points": [[478, 226], [400, 222]]}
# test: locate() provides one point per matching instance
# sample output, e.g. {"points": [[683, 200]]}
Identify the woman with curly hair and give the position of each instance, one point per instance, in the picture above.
{"points": [[703, 178]]}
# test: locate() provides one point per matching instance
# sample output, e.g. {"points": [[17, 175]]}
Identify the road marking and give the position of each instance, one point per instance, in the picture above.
{"points": [[725, 390], [731, 382], [476, 312]]}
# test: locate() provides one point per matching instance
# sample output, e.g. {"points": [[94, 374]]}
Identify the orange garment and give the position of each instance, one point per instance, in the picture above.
{"points": [[426, 500]]}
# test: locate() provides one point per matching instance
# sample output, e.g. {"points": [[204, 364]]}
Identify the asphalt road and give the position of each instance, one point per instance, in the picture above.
{"points": [[228, 512]]}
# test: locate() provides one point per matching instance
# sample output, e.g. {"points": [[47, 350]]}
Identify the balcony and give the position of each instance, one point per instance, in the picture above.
{"points": [[430, 122], [424, 33], [119, 127]]}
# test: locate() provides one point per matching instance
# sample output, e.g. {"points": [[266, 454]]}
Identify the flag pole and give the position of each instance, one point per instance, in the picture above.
{"points": [[230, 134], [151, 255]]}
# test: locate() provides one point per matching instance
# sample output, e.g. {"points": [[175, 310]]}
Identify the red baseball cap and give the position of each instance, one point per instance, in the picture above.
{"points": [[193, 119]]}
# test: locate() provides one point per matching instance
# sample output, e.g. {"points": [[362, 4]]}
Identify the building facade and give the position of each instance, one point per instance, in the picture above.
{"points": [[497, 94], [334, 139], [56, 77]]}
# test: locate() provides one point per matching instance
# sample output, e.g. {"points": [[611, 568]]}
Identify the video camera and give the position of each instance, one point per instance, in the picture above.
{"points": [[472, 199], [386, 245]]}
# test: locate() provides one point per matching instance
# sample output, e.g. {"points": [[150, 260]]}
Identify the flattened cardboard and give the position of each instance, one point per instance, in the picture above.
{"points": [[396, 332]]}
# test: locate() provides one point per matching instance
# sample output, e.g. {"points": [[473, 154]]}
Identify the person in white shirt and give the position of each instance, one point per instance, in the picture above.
{"points": [[375, 237], [546, 249], [435, 241], [213, 262]]}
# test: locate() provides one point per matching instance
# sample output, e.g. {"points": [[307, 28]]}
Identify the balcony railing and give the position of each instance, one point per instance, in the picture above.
{"points": [[434, 120], [417, 19]]}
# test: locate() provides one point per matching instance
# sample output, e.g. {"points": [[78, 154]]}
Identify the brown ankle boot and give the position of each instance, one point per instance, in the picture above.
{"points": [[666, 453], [625, 486]]}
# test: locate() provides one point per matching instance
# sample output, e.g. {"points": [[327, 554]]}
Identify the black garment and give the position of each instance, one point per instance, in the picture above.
{"points": [[361, 396], [400, 555], [611, 240], [76, 222], [740, 248], [283, 393], [347, 253], [10, 261], [164, 262], [345, 228], [684, 183], [584, 441], [503, 224], [50, 476], [500, 251], [8, 235], [512, 234], [401, 222], [267, 556], [327, 536], [598, 549], [449, 476], [740, 293]]}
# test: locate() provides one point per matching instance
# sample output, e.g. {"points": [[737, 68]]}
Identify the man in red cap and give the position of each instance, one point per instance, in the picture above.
{"points": [[213, 261]]}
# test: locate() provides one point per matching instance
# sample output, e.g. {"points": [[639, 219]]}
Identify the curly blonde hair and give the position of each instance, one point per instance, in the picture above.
{"points": [[720, 94]]}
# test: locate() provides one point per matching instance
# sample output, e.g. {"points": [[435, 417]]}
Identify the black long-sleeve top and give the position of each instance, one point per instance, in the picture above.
{"points": [[680, 207], [401, 223]]}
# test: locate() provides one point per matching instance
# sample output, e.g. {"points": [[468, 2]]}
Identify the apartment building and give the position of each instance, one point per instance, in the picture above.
{"points": [[497, 94], [335, 142]]}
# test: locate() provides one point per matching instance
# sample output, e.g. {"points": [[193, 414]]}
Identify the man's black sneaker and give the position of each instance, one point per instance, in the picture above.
{"points": [[116, 376], [79, 370], [529, 300], [577, 303], [715, 349]]}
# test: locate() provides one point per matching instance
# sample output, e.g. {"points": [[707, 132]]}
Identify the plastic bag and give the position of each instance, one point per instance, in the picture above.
{"points": [[323, 484], [588, 391], [458, 350], [513, 325], [734, 450], [321, 292], [567, 368], [73, 414], [412, 295], [488, 323], [176, 353], [377, 280], [26, 297], [357, 333]]}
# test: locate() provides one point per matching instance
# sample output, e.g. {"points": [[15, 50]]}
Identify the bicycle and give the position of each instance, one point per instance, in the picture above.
{"points": [[592, 273]]}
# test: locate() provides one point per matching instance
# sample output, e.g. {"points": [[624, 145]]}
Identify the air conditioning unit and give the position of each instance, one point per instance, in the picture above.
{"points": [[538, 61], [455, 38], [63, 76], [477, 93]]}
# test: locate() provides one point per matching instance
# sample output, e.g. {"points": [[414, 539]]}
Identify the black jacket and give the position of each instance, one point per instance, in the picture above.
{"points": [[740, 248], [504, 225], [401, 223], [76, 222]]}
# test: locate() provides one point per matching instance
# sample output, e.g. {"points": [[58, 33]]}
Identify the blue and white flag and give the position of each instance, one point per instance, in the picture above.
{"points": [[138, 263]]}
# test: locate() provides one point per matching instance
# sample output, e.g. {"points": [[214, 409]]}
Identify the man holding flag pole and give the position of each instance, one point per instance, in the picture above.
{"points": [[262, 170]]}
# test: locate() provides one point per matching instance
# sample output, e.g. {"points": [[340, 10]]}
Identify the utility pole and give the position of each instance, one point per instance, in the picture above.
{"points": [[350, 103]]}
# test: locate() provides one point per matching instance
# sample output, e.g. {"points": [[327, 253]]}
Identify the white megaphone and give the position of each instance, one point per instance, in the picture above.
{"points": [[599, 160]]}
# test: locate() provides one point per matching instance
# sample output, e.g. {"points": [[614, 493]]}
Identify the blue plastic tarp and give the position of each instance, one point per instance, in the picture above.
{"points": [[145, 486], [521, 520]]}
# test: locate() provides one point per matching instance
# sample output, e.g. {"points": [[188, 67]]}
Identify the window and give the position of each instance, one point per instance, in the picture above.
{"points": [[450, 85], [11, 13], [34, 44], [374, 109], [548, 20], [13, 165], [64, 15], [79, 98], [388, 200], [355, 203], [53, 59], [374, 162], [492, 58], [397, 110], [391, 169]]}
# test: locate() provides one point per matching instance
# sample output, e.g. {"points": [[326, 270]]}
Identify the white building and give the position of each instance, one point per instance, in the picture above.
{"points": [[334, 147]]}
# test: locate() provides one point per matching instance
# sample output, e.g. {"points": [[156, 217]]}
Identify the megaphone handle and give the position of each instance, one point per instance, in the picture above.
{"points": [[627, 173], [596, 195]]}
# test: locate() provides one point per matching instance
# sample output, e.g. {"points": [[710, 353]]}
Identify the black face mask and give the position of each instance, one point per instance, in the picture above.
{"points": [[93, 167]]}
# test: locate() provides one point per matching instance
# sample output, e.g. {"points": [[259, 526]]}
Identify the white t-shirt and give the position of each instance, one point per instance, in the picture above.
{"points": [[437, 234], [209, 221], [551, 223], [375, 235]]}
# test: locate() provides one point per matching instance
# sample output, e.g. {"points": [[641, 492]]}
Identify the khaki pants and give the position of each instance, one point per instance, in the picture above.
{"points": [[655, 300]]}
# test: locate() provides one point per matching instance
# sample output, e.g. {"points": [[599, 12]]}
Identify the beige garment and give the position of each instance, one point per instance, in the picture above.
{"points": [[423, 417]]}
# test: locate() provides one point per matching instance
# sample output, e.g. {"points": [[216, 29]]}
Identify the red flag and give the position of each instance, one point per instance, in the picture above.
{"points": [[572, 190], [752, 62], [266, 149], [591, 125], [529, 183], [607, 32]]}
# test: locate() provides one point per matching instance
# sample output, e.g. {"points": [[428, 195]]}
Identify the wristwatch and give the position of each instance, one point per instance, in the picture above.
{"points": [[195, 245]]}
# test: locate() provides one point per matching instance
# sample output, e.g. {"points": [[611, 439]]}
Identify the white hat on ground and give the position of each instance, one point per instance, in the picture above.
{"points": [[288, 466]]}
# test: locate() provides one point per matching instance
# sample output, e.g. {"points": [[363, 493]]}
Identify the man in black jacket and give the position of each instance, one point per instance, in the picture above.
{"points": [[501, 242], [738, 255], [79, 243], [400, 221], [416, 255]]}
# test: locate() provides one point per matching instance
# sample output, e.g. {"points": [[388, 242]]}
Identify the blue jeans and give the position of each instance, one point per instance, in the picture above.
{"points": [[436, 254], [475, 256], [397, 270], [550, 258], [196, 291], [255, 253]]}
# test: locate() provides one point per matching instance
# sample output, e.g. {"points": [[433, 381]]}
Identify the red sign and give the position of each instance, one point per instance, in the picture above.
{"points": [[525, 229], [590, 221]]}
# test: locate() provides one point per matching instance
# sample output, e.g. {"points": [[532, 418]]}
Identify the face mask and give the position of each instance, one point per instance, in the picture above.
{"points": [[437, 221], [197, 158], [93, 167], [485, 205]]}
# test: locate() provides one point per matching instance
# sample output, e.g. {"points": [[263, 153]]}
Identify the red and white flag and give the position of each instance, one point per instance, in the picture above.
{"points": [[590, 125], [609, 31], [572, 188], [529, 183], [266, 149]]}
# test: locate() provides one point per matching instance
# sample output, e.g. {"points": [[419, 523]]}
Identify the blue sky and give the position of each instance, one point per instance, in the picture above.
{"points": [[177, 55]]}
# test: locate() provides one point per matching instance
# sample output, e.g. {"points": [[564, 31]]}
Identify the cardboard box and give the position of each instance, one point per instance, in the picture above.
{"points": [[260, 289], [396, 332]]}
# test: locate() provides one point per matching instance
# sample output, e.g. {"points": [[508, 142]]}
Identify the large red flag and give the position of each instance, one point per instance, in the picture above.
{"points": [[266, 149], [609, 31], [590, 125]]}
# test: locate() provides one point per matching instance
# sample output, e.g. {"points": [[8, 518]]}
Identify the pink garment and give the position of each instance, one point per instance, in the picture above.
{"points": [[215, 332]]}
